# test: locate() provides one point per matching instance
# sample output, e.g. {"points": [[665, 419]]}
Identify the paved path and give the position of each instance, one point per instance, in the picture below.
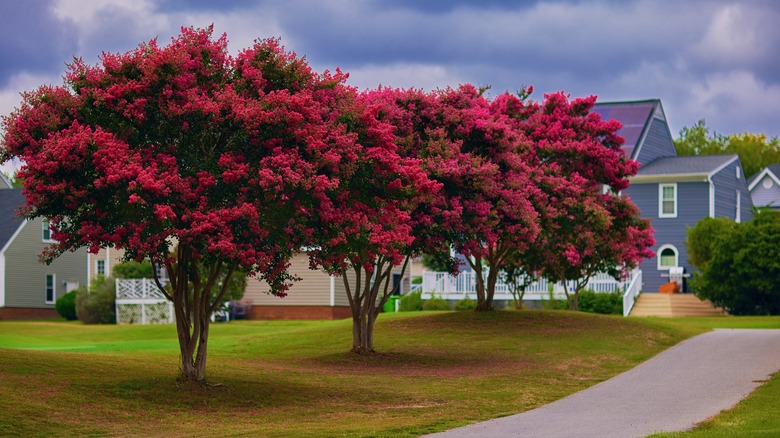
{"points": [[673, 391]]}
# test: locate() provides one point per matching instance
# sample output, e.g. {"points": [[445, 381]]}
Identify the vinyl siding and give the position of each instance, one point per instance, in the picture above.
{"points": [[658, 143], [726, 186], [312, 290], [692, 206], [25, 276], [114, 258], [341, 290], [764, 197]]}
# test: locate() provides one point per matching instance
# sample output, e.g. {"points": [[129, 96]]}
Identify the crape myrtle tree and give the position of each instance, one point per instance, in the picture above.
{"points": [[585, 228], [188, 157], [484, 209], [374, 220]]}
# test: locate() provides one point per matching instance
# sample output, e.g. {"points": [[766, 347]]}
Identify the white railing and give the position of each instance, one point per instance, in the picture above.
{"points": [[632, 291], [139, 301], [444, 285]]}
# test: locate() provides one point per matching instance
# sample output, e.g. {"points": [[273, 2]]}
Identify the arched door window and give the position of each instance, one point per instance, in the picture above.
{"points": [[668, 257]]}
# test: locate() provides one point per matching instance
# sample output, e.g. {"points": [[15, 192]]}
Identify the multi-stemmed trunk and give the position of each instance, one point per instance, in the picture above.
{"points": [[366, 299], [486, 287], [193, 305]]}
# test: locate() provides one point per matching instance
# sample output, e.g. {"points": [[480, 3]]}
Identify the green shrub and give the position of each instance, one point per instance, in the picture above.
{"points": [[66, 306], [133, 269], [98, 304], [436, 303], [466, 304], [410, 302], [608, 303]]}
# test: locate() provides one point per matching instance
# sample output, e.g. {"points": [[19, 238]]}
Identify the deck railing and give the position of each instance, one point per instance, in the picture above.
{"points": [[139, 301], [444, 285]]}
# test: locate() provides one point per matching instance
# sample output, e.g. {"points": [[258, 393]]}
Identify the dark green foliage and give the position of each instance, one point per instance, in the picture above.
{"points": [[703, 237], [466, 304], [756, 151], [410, 302], [436, 303], [438, 262], [97, 305], [743, 273], [607, 303], [66, 306], [133, 269]]}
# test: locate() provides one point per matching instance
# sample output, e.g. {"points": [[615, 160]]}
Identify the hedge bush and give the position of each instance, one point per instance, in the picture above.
{"points": [[66, 306], [466, 304], [97, 305], [410, 302], [608, 303], [436, 303]]}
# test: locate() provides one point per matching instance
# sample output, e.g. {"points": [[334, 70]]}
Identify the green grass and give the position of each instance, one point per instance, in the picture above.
{"points": [[434, 371]]}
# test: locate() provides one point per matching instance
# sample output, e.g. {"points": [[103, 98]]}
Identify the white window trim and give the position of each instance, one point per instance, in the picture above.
{"points": [[44, 225], [97, 267], [738, 215], [53, 286], [676, 256], [661, 200]]}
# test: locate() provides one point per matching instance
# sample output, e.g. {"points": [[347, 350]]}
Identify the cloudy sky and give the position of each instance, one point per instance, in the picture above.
{"points": [[711, 59]]}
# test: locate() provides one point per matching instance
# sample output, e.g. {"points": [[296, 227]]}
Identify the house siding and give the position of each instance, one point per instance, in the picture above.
{"points": [[692, 206], [763, 197], [25, 276], [312, 290], [658, 143], [726, 185], [341, 290]]}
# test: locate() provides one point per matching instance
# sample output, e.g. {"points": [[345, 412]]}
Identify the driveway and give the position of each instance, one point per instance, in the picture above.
{"points": [[682, 386]]}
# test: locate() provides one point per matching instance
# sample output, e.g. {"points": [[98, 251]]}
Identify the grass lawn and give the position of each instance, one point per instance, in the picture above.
{"points": [[434, 371]]}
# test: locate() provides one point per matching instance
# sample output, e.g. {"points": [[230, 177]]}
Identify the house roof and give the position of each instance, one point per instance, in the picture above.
{"points": [[681, 168], [635, 117], [10, 202], [774, 169]]}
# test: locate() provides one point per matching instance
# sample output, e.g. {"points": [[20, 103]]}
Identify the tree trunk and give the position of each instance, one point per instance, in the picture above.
{"points": [[363, 334], [479, 285]]}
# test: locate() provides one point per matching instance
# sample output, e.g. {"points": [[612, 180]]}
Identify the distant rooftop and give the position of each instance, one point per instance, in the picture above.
{"points": [[634, 115], [774, 168], [10, 202], [696, 165]]}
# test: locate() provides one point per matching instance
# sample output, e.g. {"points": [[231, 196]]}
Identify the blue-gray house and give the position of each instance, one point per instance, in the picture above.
{"points": [[674, 192], [765, 187]]}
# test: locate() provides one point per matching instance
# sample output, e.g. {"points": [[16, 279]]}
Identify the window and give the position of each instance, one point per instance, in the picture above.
{"points": [[46, 237], [767, 183], [667, 257], [101, 267], [50, 292], [667, 200], [738, 214], [739, 172]]}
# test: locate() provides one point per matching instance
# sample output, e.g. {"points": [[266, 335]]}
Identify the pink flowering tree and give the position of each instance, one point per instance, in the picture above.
{"points": [[188, 157], [374, 221], [486, 206], [586, 227]]}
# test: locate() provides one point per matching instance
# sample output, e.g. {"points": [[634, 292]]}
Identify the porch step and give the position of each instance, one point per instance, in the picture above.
{"points": [[673, 305]]}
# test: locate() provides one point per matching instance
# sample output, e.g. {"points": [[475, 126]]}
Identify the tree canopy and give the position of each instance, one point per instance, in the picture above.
{"points": [[755, 151]]}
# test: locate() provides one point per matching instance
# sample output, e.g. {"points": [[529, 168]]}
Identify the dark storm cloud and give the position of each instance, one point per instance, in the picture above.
{"points": [[32, 39]]}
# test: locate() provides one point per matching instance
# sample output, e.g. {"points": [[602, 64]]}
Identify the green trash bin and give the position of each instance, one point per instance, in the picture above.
{"points": [[389, 306]]}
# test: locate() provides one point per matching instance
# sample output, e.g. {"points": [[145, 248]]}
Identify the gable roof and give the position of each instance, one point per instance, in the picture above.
{"points": [[773, 170], [10, 202], [693, 168], [635, 117], [5, 183]]}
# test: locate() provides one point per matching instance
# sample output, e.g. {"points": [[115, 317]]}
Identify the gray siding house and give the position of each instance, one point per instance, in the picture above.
{"points": [[674, 192], [29, 288], [765, 187]]}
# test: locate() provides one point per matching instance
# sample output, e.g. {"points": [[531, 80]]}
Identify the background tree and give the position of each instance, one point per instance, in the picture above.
{"points": [[226, 156], [756, 151], [741, 274]]}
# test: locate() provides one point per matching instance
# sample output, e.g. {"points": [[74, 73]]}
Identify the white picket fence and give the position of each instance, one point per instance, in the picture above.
{"points": [[443, 285], [139, 301]]}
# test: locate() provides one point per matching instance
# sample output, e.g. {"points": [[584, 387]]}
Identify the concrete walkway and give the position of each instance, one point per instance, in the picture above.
{"points": [[682, 386]]}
